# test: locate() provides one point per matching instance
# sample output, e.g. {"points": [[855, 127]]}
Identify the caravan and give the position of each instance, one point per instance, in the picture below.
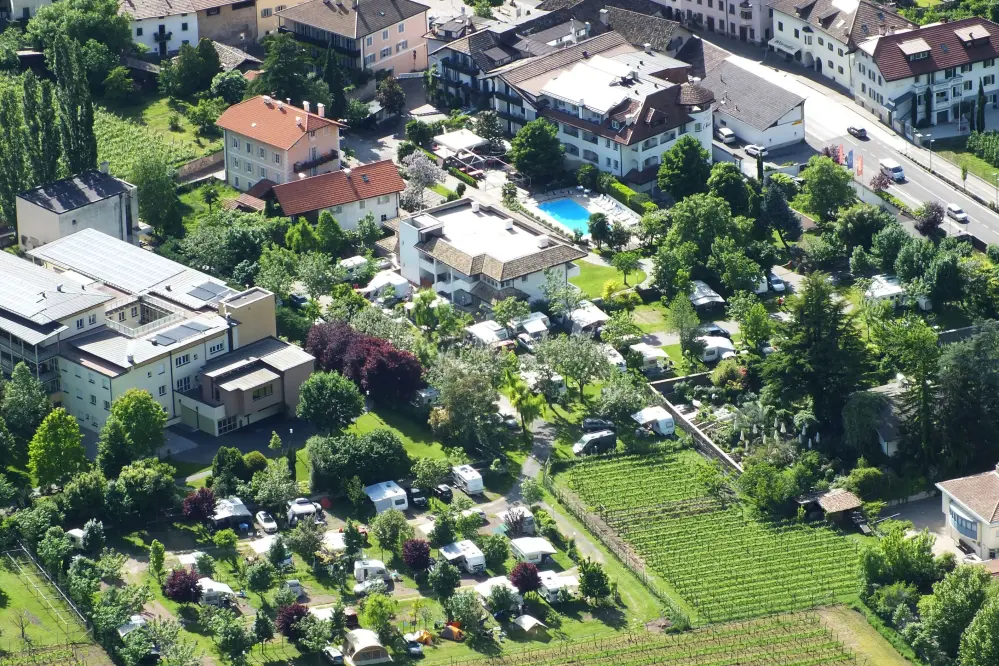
{"points": [[465, 555], [468, 480]]}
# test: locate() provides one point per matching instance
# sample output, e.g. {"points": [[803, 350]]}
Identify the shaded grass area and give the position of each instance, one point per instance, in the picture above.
{"points": [[592, 277], [193, 206], [47, 619]]}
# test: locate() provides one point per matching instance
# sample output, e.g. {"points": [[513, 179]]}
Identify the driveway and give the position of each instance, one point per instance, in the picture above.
{"points": [[927, 514]]}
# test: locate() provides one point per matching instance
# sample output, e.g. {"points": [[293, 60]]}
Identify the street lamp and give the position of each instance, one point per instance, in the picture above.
{"points": [[995, 178], [931, 151]]}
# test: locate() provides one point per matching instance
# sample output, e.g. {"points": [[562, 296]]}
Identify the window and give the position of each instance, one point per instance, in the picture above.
{"points": [[822, 42], [90, 378], [731, 10], [697, 127], [880, 80], [402, 46], [249, 148], [216, 348], [711, 3], [989, 63], [227, 425], [402, 28], [988, 80], [263, 392], [385, 199], [121, 316], [135, 310], [138, 32], [780, 26], [830, 64], [213, 11], [280, 8], [840, 51], [93, 399], [182, 360], [264, 13], [277, 158], [808, 39], [830, 46], [163, 390], [235, 181], [863, 87], [79, 323], [917, 78], [797, 35], [249, 167], [385, 52], [967, 85], [607, 162], [235, 162], [369, 59], [183, 26], [184, 384], [263, 171], [949, 73], [840, 69], [591, 156], [262, 152], [107, 405], [965, 68], [105, 384], [243, 5], [963, 524], [79, 394], [235, 142], [92, 319], [369, 40], [384, 34]]}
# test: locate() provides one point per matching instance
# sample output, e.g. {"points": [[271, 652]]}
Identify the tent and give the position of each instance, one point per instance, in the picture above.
{"points": [[452, 633], [528, 623], [460, 140], [384, 279], [422, 636], [189, 559]]}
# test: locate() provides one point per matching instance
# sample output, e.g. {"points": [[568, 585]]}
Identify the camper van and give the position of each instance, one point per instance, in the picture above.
{"points": [[371, 569], [519, 514], [656, 419], [716, 348], [531, 549], [468, 480], [595, 442], [215, 593], [465, 555]]}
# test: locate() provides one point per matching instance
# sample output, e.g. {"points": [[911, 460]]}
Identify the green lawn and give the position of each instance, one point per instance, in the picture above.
{"points": [[441, 190], [43, 627], [592, 277], [192, 206], [953, 149], [650, 317], [927, 3], [155, 111]]}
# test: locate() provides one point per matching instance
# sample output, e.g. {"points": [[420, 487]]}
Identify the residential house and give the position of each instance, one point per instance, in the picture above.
{"points": [[270, 139], [369, 34], [701, 57], [226, 21], [759, 112], [350, 195], [445, 29], [475, 254], [24, 10], [93, 328], [267, 15], [971, 508], [930, 75], [91, 200], [746, 20], [824, 34], [162, 26]]}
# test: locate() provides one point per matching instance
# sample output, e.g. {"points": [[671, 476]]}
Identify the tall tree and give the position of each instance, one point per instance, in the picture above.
{"points": [[577, 358], [682, 319], [536, 150], [980, 641], [159, 205], [56, 451], [144, 420], [336, 81], [24, 404], [685, 168], [777, 215], [76, 109], [827, 187], [211, 65], [14, 174], [980, 107], [951, 608], [330, 401], [286, 73], [727, 182], [821, 356], [391, 96], [42, 132], [114, 447]]}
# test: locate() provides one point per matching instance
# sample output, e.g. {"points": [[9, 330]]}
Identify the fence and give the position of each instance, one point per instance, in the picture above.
{"points": [[44, 597], [609, 538]]}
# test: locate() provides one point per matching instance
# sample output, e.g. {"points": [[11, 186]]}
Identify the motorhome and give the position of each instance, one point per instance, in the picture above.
{"points": [[534, 550], [371, 569], [520, 516], [591, 443], [387, 495], [464, 555], [716, 348], [656, 419], [468, 480]]}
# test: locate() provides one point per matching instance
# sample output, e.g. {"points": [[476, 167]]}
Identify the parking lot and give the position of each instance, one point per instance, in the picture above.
{"points": [[927, 514]]}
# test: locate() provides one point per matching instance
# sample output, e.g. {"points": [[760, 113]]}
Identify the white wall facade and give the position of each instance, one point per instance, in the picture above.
{"points": [[826, 55], [986, 544], [248, 160], [383, 208], [37, 225], [26, 9], [790, 129], [182, 29], [748, 20]]}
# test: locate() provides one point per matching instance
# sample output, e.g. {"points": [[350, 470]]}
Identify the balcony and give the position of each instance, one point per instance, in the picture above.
{"points": [[322, 43], [458, 66], [162, 36], [305, 165]]}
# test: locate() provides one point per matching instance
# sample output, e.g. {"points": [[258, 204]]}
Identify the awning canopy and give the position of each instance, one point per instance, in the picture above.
{"points": [[460, 140], [535, 326], [780, 45], [527, 622]]}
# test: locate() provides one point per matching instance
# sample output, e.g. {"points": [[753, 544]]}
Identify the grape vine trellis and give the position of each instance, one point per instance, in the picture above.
{"points": [[724, 564]]}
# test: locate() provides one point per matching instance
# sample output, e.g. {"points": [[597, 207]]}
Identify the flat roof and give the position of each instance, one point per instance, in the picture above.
{"points": [[250, 380]]}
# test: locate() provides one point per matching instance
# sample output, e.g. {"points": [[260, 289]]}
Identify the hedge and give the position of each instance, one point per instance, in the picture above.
{"points": [[637, 201], [463, 177]]}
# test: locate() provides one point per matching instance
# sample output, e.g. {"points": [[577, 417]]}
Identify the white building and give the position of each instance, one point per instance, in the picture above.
{"points": [[269, 139], [971, 508], [91, 200], [162, 27], [208, 354], [930, 75], [349, 195], [23, 10], [759, 112], [746, 20], [473, 253], [823, 34]]}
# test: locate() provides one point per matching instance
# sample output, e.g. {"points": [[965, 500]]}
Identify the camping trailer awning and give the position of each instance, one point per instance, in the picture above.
{"points": [[786, 47]]}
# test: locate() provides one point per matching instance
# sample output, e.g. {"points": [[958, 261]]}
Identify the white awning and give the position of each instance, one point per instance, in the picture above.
{"points": [[786, 47], [535, 326], [527, 622]]}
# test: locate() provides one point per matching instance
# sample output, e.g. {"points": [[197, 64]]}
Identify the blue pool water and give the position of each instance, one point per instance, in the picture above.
{"points": [[569, 213]]}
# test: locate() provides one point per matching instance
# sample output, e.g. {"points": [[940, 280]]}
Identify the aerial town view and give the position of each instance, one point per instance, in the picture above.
{"points": [[499, 332]]}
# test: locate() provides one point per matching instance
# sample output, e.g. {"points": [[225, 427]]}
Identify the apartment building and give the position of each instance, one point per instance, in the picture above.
{"points": [[369, 34], [93, 199], [162, 26], [269, 139], [475, 254], [746, 20], [824, 34], [267, 15], [970, 506], [143, 321], [349, 195], [233, 23], [930, 75]]}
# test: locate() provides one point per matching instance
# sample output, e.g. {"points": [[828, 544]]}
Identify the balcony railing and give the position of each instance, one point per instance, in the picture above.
{"points": [[305, 165], [457, 65], [321, 43], [162, 36]]}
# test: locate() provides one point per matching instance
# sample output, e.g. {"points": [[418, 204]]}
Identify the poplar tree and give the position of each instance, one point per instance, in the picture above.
{"points": [[41, 143], [13, 169], [76, 109]]}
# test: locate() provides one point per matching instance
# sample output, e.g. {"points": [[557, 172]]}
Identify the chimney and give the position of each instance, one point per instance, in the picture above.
{"points": [[298, 120], [475, 206], [605, 17], [508, 225], [647, 47], [59, 288], [105, 166], [586, 28], [267, 100], [306, 106], [346, 172], [321, 110], [542, 242], [288, 100]]}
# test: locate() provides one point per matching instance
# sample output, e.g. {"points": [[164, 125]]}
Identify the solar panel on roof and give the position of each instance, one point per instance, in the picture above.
{"points": [[197, 325], [202, 294], [213, 287], [164, 340]]}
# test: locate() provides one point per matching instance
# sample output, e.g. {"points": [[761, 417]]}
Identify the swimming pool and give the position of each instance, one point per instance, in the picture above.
{"points": [[567, 212]]}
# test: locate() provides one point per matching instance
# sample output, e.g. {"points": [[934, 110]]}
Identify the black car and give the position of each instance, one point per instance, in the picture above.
{"points": [[593, 425], [714, 330], [298, 300], [444, 493], [858, 132], [417, 497]]}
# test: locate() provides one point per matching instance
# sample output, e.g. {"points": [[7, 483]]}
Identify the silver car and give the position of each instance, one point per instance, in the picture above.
{"points": [[955, 212], [753, 150]]}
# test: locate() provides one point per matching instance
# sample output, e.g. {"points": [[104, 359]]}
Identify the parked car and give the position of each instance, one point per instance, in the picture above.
{"points": [[776, 283], [266, 522], [595, 442], [333, 656], [511, 423], [714, 330], [416, 497], [593, 425], [956, 212], [444, 493], [858, 132], [753, 150], [299, 300], [366, 586], [414, 649], [725, 135], [527, 342]]}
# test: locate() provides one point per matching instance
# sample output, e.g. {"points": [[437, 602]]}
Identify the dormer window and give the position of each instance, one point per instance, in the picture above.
{"points": [[615, 124], [919, 56]]}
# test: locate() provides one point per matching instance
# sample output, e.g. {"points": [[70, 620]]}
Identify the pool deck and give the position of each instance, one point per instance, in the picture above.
{"points": [[594, 203]]}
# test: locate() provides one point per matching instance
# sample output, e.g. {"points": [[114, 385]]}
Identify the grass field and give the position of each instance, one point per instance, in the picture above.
{"points": [[192, 206], [47, 619], [154, 112], [725, 564], [592, 277], [953, 149]]}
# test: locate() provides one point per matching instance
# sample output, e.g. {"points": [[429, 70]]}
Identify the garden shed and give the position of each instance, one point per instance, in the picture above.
{"points": [[833, 503]]}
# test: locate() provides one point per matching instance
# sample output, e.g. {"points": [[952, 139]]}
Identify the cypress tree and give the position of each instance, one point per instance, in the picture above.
{"points": [[12, 173], [41, 141], [210, 63], [980, 124], [76, 109], [333, 75]]}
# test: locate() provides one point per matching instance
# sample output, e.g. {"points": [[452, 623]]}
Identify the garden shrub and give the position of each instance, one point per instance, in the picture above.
{"points": [[463, 177]]}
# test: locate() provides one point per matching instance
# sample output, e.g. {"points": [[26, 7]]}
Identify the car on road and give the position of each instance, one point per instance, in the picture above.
{"points": [[858, 132], [776, 283], [714, 330], [955, 212], [444, 493], [416, 497], [266, 522], [892, 169], [593, 425], [753, 150]]}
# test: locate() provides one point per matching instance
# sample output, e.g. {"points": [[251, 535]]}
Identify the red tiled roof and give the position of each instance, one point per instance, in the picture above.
{"points": [[272, 123], [946, 48], [336, 188], [979, 492], [252, 74]]}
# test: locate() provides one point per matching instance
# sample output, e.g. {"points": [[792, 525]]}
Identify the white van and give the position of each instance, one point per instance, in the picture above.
{"points": [[468, 480], [368, 569], [893, 170], [725, 135]]}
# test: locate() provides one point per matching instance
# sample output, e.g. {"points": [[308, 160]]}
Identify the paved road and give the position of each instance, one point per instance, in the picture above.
{"points": [[828, 113]]}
